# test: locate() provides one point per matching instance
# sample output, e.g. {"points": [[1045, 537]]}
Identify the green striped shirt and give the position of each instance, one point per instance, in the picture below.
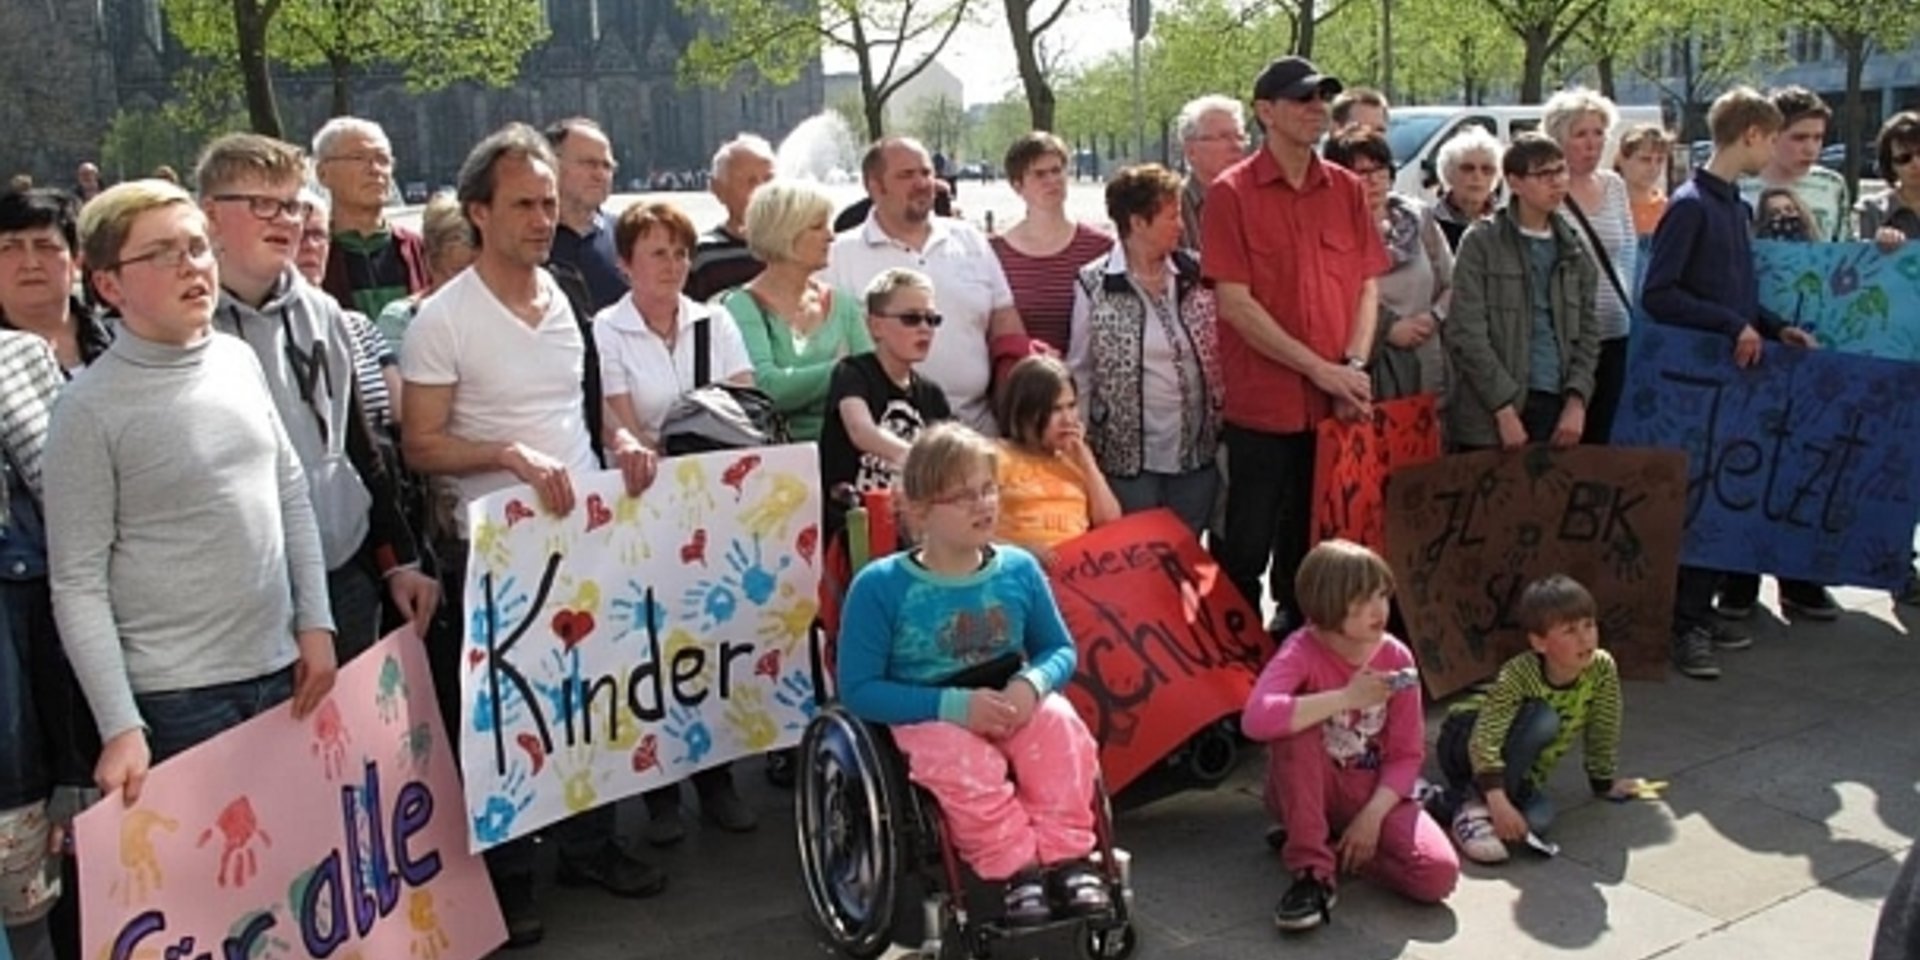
{"points": [[1589, 705]]}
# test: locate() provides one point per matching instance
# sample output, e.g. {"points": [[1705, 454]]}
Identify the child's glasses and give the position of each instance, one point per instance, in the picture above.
{"points": [[914, 318]]}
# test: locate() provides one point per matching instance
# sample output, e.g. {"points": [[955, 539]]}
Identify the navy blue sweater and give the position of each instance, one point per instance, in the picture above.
{"points": [[1700, 269]]}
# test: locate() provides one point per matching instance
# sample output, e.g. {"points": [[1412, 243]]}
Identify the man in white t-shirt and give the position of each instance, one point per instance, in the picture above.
{"points": [[497, 392], [969, 288], [1796, 164]]}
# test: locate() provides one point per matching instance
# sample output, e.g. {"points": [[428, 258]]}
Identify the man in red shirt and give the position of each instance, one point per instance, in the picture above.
{"points": [[1293, 253]]}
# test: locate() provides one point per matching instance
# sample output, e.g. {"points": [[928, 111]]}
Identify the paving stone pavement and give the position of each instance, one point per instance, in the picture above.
{"points": [[1792, 799]]}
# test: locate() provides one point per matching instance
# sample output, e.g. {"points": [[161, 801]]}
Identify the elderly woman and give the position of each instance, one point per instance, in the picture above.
{"points": [[449, 248], [1143, 353], [795, 327], [1407, 356], [1578, 119], [1469, 167], [647, 360], [1892, 216], [1042, 253]]}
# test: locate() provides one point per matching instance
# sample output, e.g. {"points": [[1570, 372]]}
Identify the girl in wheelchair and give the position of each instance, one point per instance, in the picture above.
{"points": [[1340, 705], [957, 646]]}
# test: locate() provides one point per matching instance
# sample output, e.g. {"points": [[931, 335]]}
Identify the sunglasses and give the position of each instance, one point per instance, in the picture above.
{"points": [[1902, 159], [914, 318]]}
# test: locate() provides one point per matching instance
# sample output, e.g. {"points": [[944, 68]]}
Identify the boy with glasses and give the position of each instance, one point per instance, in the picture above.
{"points": [[1700, 275], [877, 404], [1522, 332], [250, 192], [187, 570]]}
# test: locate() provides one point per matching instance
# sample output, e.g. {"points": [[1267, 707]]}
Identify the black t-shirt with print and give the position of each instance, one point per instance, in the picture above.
{"points": [[903, 412]]}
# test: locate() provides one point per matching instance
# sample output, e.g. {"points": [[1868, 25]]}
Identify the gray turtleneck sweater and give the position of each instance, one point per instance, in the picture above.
{"points": [[180, 535]]}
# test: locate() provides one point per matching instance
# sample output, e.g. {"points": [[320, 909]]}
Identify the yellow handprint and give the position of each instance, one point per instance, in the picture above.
{"points": [[691, 478], [579, 793], [679, 639], [627, 734], [137, 855], [490, 544], [429, 940], [748, 713], [586, 598], [769, 516], [787, 626]]}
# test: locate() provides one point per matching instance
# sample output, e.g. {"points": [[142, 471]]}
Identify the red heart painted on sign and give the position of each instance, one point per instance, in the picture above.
{"points": [[597, 513], [572, 626], [646, 756], [531, 744], [517, 511], [475, 658], [769, 665]]}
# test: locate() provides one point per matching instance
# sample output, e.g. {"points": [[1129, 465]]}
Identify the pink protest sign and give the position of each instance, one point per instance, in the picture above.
{"points": [[338, 836]]}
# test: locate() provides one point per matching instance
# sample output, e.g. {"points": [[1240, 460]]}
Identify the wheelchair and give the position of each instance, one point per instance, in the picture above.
{"points": [[875, 857]]}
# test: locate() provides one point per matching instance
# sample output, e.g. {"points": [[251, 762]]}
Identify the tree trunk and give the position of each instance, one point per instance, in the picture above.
{"points": [[1605, 68], [1533, 71], [339, 66], [1386, 50], [250, 28], [1851, 113], [1040, 100], [1305, 29]]}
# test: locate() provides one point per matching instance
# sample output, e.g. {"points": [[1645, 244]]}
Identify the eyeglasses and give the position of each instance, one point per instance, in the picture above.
{"points": [[1483, 169], [1547, 173], [1902, 159], [383, 161], [1219, 138], [914, 318], [601, 166], [267, 208], [970, 496], [315, 237], [196, 251]]}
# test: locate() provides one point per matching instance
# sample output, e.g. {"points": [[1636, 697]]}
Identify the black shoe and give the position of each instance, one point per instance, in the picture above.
{"points": [[524, 926], [1305, 905], [613, 870], [1026, 900], [782, 767], [1080, 890], [1277, 837], [1737, 602], [1808, 601], [1726, 636], [725, 809], [1693, 654]]}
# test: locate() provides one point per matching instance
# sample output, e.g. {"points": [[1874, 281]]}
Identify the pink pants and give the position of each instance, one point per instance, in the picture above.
{"points": [[1044, 815], [1315, 800]]}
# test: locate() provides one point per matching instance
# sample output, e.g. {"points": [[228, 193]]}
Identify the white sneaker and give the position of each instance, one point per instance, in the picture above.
{"points": [[1473, 834]]}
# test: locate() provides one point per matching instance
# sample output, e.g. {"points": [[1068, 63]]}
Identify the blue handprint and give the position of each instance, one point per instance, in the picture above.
{"points": [[567, 665], [495, 823], [638, 611], [715, 599], [511, 707], [796, 693], [756, 581], [507, 606], [691, 730]]}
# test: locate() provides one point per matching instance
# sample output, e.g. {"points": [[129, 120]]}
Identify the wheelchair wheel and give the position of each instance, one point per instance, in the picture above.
{"points": [[850, 853], [1108, 943]]}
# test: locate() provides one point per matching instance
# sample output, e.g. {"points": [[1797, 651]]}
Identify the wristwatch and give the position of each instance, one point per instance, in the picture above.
{"points": [[1356, 363]]}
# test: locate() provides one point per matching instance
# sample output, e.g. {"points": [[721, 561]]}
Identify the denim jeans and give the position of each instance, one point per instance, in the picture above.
{"points": [[178, 719], [1534, 727], [1190, 495]]}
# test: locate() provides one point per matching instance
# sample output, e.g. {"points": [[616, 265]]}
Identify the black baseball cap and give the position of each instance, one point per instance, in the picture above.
{"points": [[1293, 78]]}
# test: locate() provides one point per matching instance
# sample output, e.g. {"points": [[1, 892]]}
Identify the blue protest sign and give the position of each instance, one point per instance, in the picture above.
{"points": [[1852, 297], [1805, 466]]}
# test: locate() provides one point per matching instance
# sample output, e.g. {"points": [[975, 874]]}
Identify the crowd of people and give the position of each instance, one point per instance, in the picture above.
{"points": [[333, 387]]}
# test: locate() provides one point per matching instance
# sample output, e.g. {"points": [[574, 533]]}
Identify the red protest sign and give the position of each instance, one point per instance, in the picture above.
{"points": [[1167, 645], [1352, 461]]}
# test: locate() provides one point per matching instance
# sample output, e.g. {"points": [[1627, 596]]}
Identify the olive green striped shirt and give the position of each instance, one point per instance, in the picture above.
{"points": [[1589, 706]]}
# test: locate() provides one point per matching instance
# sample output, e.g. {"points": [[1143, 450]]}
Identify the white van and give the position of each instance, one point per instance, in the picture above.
{"points": [[1416, 134]]}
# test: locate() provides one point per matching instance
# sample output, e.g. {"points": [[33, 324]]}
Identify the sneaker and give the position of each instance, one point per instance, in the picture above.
{"points": [[524, 926], [1693, 654], [1737, 603], [725, 809], [782, 767], [614, 870], [1080, 890], [1277, 837], [1305, 905], [1473, 834], [664, 827], [1807, 601], [1726, 636], [1026, 900]]}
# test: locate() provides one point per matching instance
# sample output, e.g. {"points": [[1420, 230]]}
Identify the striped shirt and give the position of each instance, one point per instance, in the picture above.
{"points": [[721, 262], [1590, 705], [1043, 286], [1613, 224], [371, 357], [29, 380]]}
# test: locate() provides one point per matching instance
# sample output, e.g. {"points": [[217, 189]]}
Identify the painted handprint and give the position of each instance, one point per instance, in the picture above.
{"points": [[692, 494], [490, 544], [429, 938], [787, 625], [769, 516], [393, 690], [495, 821], [416, 747], [714, 602], [637, 612], [138, 858], [330, 738], [691, 730], [747, 712], [756, 581], [238, 827], [578, 791], [509, 602], [796, 693]]}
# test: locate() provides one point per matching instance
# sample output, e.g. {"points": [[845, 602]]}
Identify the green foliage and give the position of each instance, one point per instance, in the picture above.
{"points": [[207, 105]]}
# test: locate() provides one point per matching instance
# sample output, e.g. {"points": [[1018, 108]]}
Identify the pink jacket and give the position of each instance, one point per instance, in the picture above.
{"points": [[1390, 739]]}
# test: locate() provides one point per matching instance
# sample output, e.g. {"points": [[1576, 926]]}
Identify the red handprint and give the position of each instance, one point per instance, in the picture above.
{"points": [[330, 738], [238, 826]]}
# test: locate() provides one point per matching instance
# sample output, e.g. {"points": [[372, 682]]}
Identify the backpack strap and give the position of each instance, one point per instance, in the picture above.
{"points": [[702, 354]]}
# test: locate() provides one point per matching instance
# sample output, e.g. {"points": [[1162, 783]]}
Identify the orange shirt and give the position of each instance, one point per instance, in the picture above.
{"points": [[1646, 214], [1043, 499]]}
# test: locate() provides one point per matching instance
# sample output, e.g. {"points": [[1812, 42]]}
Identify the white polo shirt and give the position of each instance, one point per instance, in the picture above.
{"points": [[968, 285], [635, 361], [513, 383]]}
